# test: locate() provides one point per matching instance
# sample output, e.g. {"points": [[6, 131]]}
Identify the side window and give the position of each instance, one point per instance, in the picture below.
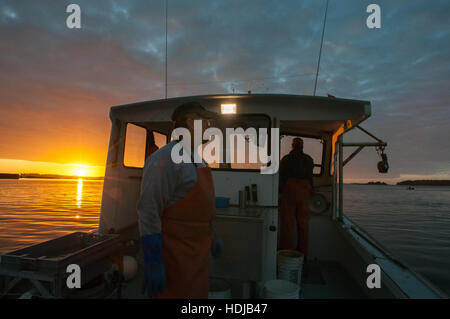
{"points": [[160, 139], [311, 146], [155, 141], [135, 140]]}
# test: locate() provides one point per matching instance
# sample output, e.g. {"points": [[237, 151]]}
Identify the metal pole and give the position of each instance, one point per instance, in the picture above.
{"points": [[320, 51], [365, 144], [341, 178], [166, 52], [370, 134], [348, 159], [335, 185]]}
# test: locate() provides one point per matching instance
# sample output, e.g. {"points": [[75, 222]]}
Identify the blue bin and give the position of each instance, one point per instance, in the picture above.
{"points": [[222, 202]]}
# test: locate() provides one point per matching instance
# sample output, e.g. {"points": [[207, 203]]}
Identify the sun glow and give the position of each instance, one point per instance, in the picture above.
{"points": [[81, 172], [32, 167]]}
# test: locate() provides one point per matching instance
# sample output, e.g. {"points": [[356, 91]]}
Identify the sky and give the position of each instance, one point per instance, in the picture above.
{"points": [[57, 84]]}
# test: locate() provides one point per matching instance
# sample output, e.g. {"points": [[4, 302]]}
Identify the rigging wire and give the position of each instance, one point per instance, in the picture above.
{"points": [[244, 80], [166, 52], [321, 44]]}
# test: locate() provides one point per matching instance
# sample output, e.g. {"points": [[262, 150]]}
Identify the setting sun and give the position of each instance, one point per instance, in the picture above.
{"points": [[80, 171]]}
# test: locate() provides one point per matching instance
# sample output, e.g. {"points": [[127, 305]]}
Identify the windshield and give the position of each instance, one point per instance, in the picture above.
{"points": [[242, 142]]}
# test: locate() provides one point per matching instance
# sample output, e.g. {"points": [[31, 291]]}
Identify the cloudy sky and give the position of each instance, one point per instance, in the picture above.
{"points": [[57, 84]]}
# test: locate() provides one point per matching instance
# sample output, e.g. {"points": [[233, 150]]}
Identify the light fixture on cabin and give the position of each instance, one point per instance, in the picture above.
{"points": [[228, 108]]}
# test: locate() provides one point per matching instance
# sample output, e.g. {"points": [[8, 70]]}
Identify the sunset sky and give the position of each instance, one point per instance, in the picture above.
{"points": [[57, 84]]}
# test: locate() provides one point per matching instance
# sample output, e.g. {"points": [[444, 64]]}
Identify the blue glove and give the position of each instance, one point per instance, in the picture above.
{"points": [[155, 272], [217, 246]]}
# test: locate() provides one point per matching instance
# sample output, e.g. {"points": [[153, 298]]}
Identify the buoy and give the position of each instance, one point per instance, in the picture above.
{"points": [[281, 289], [130, 267]]}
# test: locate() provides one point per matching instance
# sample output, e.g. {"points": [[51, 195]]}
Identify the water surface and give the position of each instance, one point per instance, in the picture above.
{"points": [[413, 224], [35, 210]]}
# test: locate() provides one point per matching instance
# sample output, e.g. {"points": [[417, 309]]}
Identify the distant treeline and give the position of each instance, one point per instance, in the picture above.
{"points": [[56, 176], [53, 176], [426, 183], [369, 183], [9, 176]]}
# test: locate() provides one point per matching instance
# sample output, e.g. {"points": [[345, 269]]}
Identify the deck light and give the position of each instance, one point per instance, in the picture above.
{"points": [[228, 108]]}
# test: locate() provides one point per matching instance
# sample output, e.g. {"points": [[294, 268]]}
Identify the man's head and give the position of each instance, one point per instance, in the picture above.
{"points": [[297, 144], [185, 115]]}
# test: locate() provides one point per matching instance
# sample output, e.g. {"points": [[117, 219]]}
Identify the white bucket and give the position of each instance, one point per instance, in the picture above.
{"points": [[290, 265], [281, 289], [219, 289]]}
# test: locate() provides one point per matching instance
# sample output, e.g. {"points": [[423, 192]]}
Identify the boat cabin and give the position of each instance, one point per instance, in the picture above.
{"points": [[343, 260], [339, 251]]}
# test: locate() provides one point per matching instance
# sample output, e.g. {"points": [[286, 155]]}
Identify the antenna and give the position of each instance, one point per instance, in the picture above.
{"points": [[166, 52], [321, 43]]}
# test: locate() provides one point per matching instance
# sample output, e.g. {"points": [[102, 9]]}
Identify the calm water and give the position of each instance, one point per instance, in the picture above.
{"points": [[413, 225], [33, 210]]}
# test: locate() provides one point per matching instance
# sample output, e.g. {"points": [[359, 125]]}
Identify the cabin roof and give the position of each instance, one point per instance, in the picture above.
{"points": [[286, 108]]}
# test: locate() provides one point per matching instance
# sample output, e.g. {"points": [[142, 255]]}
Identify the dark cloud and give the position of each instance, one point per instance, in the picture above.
{"points": [[57, 84]]}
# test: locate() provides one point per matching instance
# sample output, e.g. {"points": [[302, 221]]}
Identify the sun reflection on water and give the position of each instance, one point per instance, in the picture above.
{"points": [[79, 192]]}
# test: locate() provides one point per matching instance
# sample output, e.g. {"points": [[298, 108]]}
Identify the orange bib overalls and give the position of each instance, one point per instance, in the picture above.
{"points": [[187, 235]]}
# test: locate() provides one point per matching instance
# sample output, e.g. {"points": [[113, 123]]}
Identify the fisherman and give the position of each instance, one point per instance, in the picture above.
{"points": [[295, 186], [176, 211]]}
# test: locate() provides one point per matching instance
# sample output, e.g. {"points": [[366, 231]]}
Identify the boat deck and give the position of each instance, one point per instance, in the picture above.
{"points": [[328, 280], [320, 280]]}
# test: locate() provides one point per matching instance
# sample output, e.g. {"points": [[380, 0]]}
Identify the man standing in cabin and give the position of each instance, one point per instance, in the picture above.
{"points": [[176, 211], [295, 185]]}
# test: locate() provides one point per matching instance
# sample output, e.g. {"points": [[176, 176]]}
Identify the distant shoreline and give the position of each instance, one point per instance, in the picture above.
{"points": [[55, 176], [425, 183], [47, 176], [409, 183], [9, 176]]}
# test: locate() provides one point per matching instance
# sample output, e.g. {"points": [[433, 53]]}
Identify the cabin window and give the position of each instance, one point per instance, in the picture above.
{"points": [[211, 159], [312, 146], [249, 148], [160, 139], [135, 142], [155, 140], [241, 150]]}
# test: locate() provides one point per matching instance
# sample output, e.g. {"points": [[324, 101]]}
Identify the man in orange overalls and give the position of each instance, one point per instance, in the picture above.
{"points": [[295, 184], [176, 211]]}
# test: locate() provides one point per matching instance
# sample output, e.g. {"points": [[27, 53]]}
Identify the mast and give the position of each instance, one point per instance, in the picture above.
{"points": [[166, 54], [321, 44]]}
